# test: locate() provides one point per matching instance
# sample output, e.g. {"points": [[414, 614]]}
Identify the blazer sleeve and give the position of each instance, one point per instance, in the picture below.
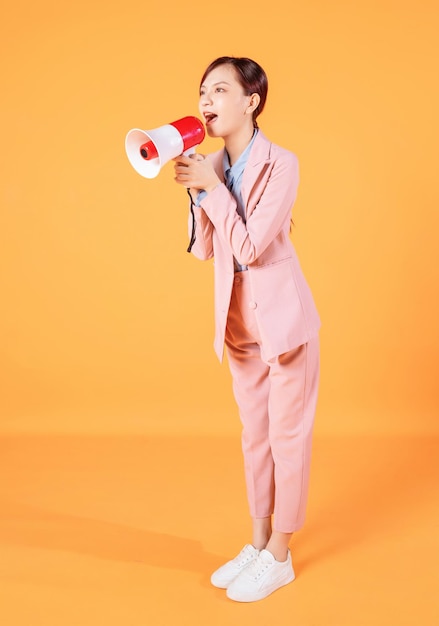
{"points": [[249, 240], [202, 247]]}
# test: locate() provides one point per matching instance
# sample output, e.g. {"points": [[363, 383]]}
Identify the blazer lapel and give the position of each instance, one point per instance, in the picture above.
{"points": [[258, 160]]}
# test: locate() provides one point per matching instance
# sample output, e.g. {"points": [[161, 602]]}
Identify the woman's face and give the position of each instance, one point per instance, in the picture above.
{"points": [[223, 104]]}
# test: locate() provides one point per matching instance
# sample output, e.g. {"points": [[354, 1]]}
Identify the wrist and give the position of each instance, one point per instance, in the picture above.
{"points": [[213, 186]]}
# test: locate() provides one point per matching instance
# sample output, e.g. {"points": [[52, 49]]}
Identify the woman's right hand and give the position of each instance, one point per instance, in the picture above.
{"points": [[195, 172]]}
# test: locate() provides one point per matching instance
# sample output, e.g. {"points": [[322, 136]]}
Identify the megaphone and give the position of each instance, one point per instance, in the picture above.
{"points": [[149, 150]]}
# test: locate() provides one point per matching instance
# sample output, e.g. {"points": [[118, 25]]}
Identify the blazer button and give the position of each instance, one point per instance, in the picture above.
{"points": [[252, 304]]}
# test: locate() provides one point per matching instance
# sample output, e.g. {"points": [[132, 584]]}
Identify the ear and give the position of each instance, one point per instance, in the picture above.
{"points": [[254, 102]]}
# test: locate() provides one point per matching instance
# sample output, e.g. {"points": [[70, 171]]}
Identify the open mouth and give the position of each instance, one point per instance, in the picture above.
{"points": [[210, 118]]}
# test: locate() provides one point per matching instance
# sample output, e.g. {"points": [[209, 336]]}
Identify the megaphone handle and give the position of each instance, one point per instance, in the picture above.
{"points": [[189, 151]]}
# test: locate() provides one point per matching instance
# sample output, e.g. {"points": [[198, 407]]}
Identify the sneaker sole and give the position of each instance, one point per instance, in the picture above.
{"points": [[260, 596]]}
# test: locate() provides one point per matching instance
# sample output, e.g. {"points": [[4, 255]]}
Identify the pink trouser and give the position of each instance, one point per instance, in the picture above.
{"points": [[276, 402]]}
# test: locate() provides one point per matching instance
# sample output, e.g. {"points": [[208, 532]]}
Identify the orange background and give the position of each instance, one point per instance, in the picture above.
{"points": [[103, 312], [107, 322]]}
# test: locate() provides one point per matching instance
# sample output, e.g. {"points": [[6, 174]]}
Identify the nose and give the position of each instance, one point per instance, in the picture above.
{"points": [[205, 98]]}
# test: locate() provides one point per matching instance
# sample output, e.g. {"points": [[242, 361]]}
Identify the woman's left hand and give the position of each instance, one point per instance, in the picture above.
{"points": [[195, 172]]}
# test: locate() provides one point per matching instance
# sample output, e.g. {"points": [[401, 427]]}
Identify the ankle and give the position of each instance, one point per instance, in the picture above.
{"points": [[261, 532], [280, 554], [279, 545], [260, 544]]}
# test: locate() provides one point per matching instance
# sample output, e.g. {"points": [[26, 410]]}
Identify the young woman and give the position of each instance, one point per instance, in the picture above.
{"points": [[241, 202]]}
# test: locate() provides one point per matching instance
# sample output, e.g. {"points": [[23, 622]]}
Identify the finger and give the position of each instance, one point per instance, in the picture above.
{"points": [[180, 166], [182, 175], [197, 157], [181, 181], [183, 160]]}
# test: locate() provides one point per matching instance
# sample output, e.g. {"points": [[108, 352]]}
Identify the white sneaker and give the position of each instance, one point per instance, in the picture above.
{"points": [[223, 576], [263, 576]]}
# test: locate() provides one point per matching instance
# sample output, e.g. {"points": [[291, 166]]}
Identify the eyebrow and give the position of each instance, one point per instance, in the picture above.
{"points": [[220, 82]]}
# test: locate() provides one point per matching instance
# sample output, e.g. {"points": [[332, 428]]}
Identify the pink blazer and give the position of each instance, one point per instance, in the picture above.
{"points": [[283, 303]]}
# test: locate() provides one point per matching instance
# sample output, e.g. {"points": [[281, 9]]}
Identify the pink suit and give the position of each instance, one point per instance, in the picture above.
{"points": [[267, 318]]}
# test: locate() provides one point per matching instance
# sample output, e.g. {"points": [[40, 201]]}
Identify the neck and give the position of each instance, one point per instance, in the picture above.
{"points": [[236, 144]]}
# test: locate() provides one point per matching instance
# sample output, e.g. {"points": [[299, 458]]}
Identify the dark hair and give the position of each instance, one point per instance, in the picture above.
{"points": [[250, 75]]}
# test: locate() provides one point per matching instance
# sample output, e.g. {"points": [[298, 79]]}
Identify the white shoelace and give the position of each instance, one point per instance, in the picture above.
{"points": [[247, 554], [259, 566]]}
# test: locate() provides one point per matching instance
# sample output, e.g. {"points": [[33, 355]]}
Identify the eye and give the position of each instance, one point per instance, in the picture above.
{"points": [[219, 89]]}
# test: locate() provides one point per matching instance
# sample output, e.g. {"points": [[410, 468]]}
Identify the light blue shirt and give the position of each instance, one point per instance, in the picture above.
{"points": [[233, 179]]}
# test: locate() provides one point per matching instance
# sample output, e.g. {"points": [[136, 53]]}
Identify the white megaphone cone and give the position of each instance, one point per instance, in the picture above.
{"points": [[149, 150]]}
